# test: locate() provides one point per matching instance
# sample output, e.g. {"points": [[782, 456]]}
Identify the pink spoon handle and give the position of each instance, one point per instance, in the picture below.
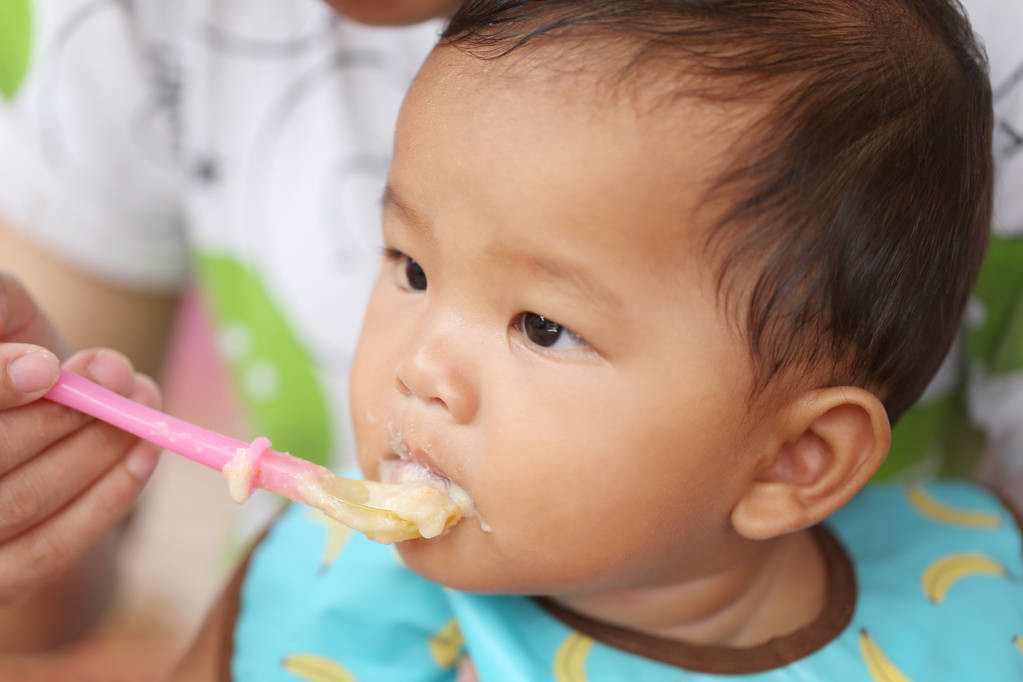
{"points": [[275, 471]]}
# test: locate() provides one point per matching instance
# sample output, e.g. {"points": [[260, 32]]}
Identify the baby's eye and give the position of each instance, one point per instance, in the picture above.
{"points": [[414, 275], [410, 274], [547, 333]]}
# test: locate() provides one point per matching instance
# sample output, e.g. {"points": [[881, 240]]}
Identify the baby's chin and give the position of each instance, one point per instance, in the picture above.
{"points": [[458, 560], [464, 559]]}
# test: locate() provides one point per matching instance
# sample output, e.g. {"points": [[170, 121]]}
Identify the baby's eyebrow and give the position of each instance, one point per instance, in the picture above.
{"points": [[588, 288], [415, 219]]}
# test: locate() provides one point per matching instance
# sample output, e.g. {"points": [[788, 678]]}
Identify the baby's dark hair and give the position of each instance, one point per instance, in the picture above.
{"points": [[862, 197]]}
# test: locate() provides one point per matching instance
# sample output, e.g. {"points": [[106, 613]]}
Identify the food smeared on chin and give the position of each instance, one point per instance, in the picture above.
{"points": [[413, 504]]}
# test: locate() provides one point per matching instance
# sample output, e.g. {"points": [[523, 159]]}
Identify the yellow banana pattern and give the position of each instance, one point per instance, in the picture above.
{"points": [[1018, 641], [446, 645], [314, 668], [570, 660], [941, 512], [337, 537], [880, 666], [943, 573]]}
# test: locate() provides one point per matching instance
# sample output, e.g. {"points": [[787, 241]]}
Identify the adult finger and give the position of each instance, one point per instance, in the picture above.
{"points": [[28, 372], [52, 479], [27, 430], [47, 550]]}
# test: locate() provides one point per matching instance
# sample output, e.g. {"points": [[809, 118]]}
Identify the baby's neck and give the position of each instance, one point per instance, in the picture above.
{"points": [[770, 593]]}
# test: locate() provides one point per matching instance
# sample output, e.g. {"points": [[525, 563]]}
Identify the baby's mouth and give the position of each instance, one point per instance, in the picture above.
{"points": [[411, 466], [407, 466]]}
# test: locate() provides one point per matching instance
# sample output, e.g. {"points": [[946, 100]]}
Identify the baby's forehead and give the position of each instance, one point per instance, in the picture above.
{"points": [[596, 72], [602, 132], [675, 110], [668, 137], [677, 145]]}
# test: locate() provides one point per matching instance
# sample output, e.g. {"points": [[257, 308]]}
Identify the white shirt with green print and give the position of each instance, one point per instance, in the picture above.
{"points": [[249, 139], [244, 140]]}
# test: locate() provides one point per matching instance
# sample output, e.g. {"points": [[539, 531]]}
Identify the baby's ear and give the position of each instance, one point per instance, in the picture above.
{"points": [[829, 443]]}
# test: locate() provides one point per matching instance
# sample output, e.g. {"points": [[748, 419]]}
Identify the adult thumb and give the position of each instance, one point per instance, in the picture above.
{"points": [[28, 373]]}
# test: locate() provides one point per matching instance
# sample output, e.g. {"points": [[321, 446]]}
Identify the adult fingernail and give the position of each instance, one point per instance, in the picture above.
{"points": [[141, 461], [34, 371]]}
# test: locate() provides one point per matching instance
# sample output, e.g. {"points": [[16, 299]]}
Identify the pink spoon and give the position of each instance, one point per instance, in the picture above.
{"points": [[293, 477]]}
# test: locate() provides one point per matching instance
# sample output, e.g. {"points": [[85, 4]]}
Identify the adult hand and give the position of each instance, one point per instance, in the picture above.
{"points": [[65, 479]]}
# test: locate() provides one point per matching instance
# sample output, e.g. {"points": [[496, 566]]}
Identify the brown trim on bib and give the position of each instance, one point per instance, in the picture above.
{"points": [[840, 602], [232, 606]]}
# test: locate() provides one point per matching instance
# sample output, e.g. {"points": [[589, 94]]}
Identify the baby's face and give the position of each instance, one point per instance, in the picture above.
{"points": [[545, 332]]}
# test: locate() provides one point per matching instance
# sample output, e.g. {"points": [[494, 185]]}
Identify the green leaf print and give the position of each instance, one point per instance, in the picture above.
{"points": [[15, 44], [996, 340], [274, 372]]}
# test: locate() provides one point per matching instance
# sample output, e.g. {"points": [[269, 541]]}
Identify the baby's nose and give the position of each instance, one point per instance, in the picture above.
{"points": [[433, 372]]}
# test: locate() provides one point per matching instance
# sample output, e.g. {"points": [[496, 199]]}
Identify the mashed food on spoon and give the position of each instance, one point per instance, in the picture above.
{"points": [[411, 503]]}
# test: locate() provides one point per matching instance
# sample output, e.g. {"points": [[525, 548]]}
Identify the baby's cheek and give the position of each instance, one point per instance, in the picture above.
{"points": [[367, 447]]}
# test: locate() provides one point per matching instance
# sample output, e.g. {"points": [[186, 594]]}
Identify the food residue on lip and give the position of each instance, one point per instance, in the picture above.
{"points": [[399, 475], [415, 464], [241, 471]]}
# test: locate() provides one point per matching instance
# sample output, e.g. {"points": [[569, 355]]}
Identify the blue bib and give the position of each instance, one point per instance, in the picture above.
{"points": [[938, 571]]}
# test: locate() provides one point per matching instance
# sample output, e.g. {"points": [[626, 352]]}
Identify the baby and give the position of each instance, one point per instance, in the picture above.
{"points": [[658, 277]]}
